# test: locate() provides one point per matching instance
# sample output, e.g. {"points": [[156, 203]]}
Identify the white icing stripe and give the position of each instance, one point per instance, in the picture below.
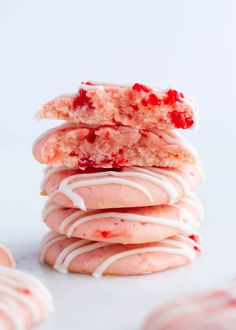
{"points": [[177, 139], [36, 289], [9, 254], [182, 249], [38, 302], [191, 242], [13, 312], [160, 180], [78, 200], [90, 87], [47, 245], [49, 173], [187, 215], [80, 250], [75, 198], [50, 209], [67, 250], [50, 131], [23, 299], [196, 203], [180, 180], [69, 220]]}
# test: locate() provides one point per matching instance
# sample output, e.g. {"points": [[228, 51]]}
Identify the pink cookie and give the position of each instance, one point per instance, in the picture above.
{"points": [[127, 226], [137, 106], [102, 258], [6, 257], [84, 146], [24, 301], [126, 187], [214, 310]]}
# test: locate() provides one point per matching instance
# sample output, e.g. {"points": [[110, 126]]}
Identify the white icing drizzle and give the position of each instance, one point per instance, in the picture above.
{"points": [[73, 254], [12, 310], [50, 131], [48, 244], [179, 248], [9, 255], [6, 290], [78, 201], [183, 247], [177, 139], [50, 209], [38, 302], [101, 178], [160, 180], [59, 266], [179, 179], [68, 220], [90, 87], [187, 215], [191, 242], [49, 173], [196, 203]]}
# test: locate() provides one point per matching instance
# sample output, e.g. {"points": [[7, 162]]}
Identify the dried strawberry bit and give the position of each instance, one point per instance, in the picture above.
{"points": [[73, 154], [119, 162], [194, 238], [116, 122], [105, 233], [181, 120], [144, 102], [153, 100], [135, 108], [139, 88], [24, 291], [172, 97], [81, 100], [91, 137]]}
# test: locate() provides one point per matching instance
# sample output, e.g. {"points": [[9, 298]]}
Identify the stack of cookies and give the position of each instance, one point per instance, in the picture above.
{"points": [[121, 182]]}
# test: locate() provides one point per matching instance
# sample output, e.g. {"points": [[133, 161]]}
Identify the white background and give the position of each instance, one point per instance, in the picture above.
{"points": [[47, 48]]}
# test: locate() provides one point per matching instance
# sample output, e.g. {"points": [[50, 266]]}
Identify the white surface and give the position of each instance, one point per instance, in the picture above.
{"points": [[47, 48]]}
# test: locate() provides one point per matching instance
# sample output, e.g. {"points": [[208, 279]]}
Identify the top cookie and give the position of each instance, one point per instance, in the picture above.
{"points": [[137, 105]]}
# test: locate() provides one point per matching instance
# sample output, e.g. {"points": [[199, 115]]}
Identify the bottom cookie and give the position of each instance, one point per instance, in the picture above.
{"points": [[102, 258], [6, 257]]}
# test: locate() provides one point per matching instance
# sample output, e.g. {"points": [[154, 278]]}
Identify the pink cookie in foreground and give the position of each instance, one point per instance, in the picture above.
{"points": [[102, 258], [6, 257], [213, 310], [126, 187], [137, 106], [24, 301], [84, 146], [127, 226]]}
